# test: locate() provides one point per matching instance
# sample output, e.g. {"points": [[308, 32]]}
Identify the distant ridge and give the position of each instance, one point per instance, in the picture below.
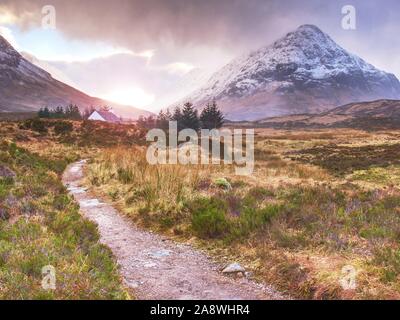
{"points": [[379, 114]]}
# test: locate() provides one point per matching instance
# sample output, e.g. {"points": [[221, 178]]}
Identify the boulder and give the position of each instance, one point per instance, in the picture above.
{"points": [[234, 268]]}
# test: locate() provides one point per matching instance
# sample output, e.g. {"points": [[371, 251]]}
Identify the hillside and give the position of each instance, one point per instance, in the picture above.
{"points": [[364, 115], [26, 87]]}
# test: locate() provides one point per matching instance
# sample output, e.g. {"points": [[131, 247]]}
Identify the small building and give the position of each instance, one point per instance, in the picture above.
{"points": [[104, 115]]}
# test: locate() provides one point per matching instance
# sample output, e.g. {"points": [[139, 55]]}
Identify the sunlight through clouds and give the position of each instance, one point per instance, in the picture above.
{"points": [[133, 96], [6, 17], [179, 68]]}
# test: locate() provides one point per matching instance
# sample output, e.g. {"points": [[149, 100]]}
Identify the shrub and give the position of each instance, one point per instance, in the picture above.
{"points": [[208, 218], [63, 127], [260, 193], [125, 175], [38, 126], [35, 125], [223, 183], [389, 259], [253, 219]]}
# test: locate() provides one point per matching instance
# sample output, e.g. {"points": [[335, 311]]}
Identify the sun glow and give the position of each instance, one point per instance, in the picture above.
{"points": [[6, 17], [134, 96]]}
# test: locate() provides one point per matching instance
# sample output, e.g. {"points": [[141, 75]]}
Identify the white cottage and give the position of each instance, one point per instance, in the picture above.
{"points": [[104, 115]]}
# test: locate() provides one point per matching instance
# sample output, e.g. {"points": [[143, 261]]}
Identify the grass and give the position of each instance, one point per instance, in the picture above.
{"points": [[40, 224], [377, 176], [125, 174], [317, 202], [345, 159], [305, 213]]}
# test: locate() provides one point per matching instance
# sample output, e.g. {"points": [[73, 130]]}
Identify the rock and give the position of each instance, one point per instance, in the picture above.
{"points": [[150, 265], [234, 268], [160, 253], [6, 172], [134, 283], [90, 203]]}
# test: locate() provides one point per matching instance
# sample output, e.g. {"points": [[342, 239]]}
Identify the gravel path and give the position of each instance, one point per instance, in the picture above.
{"points": [[155, 267]]}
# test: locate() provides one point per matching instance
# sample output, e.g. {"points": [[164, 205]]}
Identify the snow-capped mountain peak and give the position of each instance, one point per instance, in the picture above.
{"points": [[305, 71]]}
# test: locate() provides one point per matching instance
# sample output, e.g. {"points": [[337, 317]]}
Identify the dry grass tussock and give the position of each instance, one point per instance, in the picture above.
{"points": [[301, 217]]}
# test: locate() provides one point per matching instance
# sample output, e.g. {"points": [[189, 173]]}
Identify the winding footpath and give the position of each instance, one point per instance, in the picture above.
{"points": [[156, 267]]}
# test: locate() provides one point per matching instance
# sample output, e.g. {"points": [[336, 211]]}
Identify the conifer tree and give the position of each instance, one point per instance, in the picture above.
{"points": [[162, 120], [189, 118], [177, 116], [211, 117]]}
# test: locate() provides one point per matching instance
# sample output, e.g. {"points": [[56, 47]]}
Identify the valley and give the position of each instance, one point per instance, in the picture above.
{"points": [[103, 199], [318, 201]]}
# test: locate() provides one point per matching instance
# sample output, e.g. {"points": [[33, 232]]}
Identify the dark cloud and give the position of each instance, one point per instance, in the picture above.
{"points": [[177, 27], [139, 23]]}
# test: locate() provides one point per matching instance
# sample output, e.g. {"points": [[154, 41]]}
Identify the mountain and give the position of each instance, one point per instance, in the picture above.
{"points": [[377, 114], [303, 72], [178, 89], [26, 87], [126, 70], [50, 68]]}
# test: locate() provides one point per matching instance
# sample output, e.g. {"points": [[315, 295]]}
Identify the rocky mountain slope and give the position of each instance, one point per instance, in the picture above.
{"points": [[26, 87], [365, 115], [303, 72]]}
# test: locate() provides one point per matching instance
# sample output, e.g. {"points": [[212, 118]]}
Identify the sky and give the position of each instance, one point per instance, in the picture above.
{"points": [[148, 53]]}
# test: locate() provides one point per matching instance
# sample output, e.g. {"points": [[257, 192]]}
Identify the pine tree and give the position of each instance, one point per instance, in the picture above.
{"points": [[189, 118], [177, 116], [58, 113], [88, 112], [168, 115], [46, 112], [151, 122], [211, 117], [141, 122], [162, 120], [72, 112]]}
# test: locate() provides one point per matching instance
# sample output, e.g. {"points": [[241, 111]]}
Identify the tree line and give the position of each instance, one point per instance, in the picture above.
{"points": [[70, 112], [186, 117]]}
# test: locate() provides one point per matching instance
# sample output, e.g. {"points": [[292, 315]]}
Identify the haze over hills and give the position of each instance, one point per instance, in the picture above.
{"points": [[303, 72], [378, 114], [26, 87], [159, 83]]}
